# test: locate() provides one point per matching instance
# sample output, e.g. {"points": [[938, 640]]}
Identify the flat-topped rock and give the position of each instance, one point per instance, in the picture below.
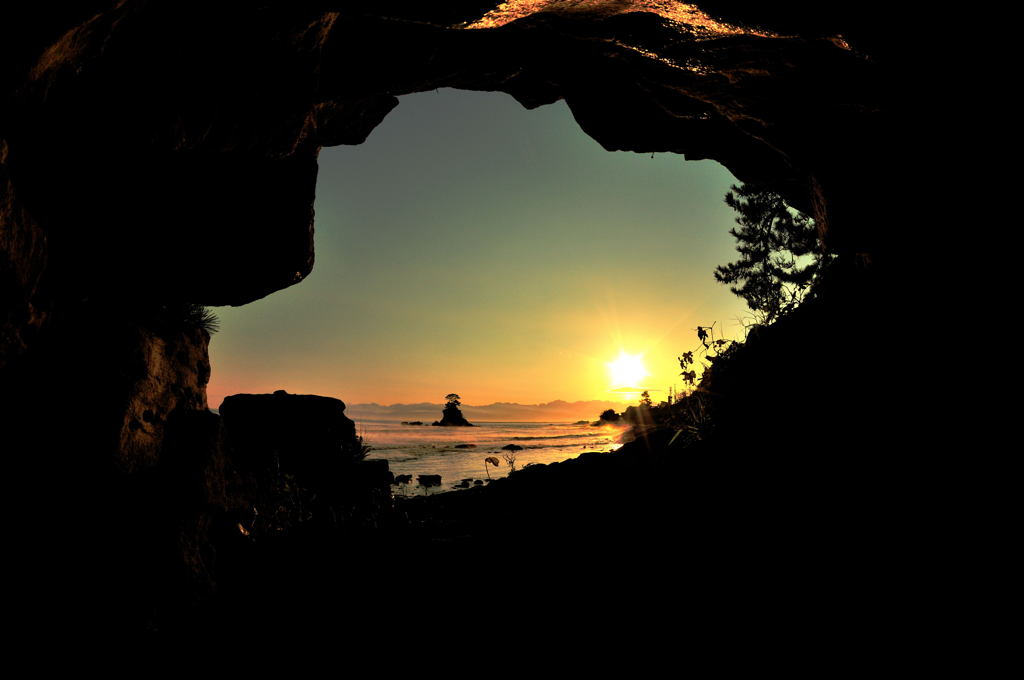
{"points": [[305, 432]]}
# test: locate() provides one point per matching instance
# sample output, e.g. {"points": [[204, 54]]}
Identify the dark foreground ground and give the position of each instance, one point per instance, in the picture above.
{"points": [[647, 541], [805, 497]]}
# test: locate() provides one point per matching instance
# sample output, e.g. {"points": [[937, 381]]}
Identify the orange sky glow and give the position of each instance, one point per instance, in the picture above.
{"points": [[472, 246]]}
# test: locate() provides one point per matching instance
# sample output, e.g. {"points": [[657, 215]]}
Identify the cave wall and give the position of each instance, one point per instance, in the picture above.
{"points": [[158, 154], [22, 262]]}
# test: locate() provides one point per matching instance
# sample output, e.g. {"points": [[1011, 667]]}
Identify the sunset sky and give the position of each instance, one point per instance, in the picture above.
{"points": [[472, 246]]}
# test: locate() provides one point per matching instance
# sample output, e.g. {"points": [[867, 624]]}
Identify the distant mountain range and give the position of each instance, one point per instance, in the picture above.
{"points": [[552, 412]]}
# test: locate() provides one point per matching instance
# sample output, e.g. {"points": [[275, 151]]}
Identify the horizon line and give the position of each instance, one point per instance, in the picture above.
{"points": [[493, 403]]}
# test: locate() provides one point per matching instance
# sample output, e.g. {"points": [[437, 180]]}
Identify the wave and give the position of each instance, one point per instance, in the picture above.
{"points": [[555, 436]]}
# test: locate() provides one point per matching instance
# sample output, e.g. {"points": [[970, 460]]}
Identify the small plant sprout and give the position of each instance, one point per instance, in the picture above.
{"points": [[710, 347], [510, 456], [203, 317]]}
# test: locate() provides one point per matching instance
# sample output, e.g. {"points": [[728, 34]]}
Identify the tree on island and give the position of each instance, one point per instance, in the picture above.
{"points": [[780, 256], [451, 414]]}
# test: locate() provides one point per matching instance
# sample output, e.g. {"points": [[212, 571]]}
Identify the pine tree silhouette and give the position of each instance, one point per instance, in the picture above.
{"points": [[779, 253]]}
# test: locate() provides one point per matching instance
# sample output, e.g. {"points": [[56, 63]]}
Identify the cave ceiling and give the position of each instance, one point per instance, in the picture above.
{"points": [[173, 146]]}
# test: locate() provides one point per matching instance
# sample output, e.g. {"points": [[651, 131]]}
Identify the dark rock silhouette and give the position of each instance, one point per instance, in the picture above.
{"points": [[306, 443], [428, 481], [452, 416], [307, 435], [608, 417], [465, 446]]}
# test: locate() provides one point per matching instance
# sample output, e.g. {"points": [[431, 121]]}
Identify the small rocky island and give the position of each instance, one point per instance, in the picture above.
{"points": [[451, 416]]}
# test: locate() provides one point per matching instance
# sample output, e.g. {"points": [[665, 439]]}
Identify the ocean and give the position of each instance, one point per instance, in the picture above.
{"points": [[426, 450]]}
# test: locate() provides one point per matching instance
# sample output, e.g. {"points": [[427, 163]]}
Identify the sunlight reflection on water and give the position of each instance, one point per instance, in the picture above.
{"points": [[422, 449]]}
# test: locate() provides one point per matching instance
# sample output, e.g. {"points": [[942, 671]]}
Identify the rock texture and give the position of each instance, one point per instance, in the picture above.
{"points": [[172, 375], [119, 463]]}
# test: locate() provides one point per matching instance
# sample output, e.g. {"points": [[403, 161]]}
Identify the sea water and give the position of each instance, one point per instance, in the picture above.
{"points": [[427, 450]]}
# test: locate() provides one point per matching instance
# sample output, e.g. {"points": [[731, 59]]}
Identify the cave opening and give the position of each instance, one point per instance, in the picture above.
{"points": [[472, 244], [216, 121]]}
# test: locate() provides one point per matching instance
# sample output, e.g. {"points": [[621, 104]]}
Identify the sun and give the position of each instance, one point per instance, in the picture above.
{"points": [[627, 370]]}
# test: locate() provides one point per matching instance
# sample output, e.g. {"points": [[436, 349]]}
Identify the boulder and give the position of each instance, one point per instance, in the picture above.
{"points": [[305, 435]]}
